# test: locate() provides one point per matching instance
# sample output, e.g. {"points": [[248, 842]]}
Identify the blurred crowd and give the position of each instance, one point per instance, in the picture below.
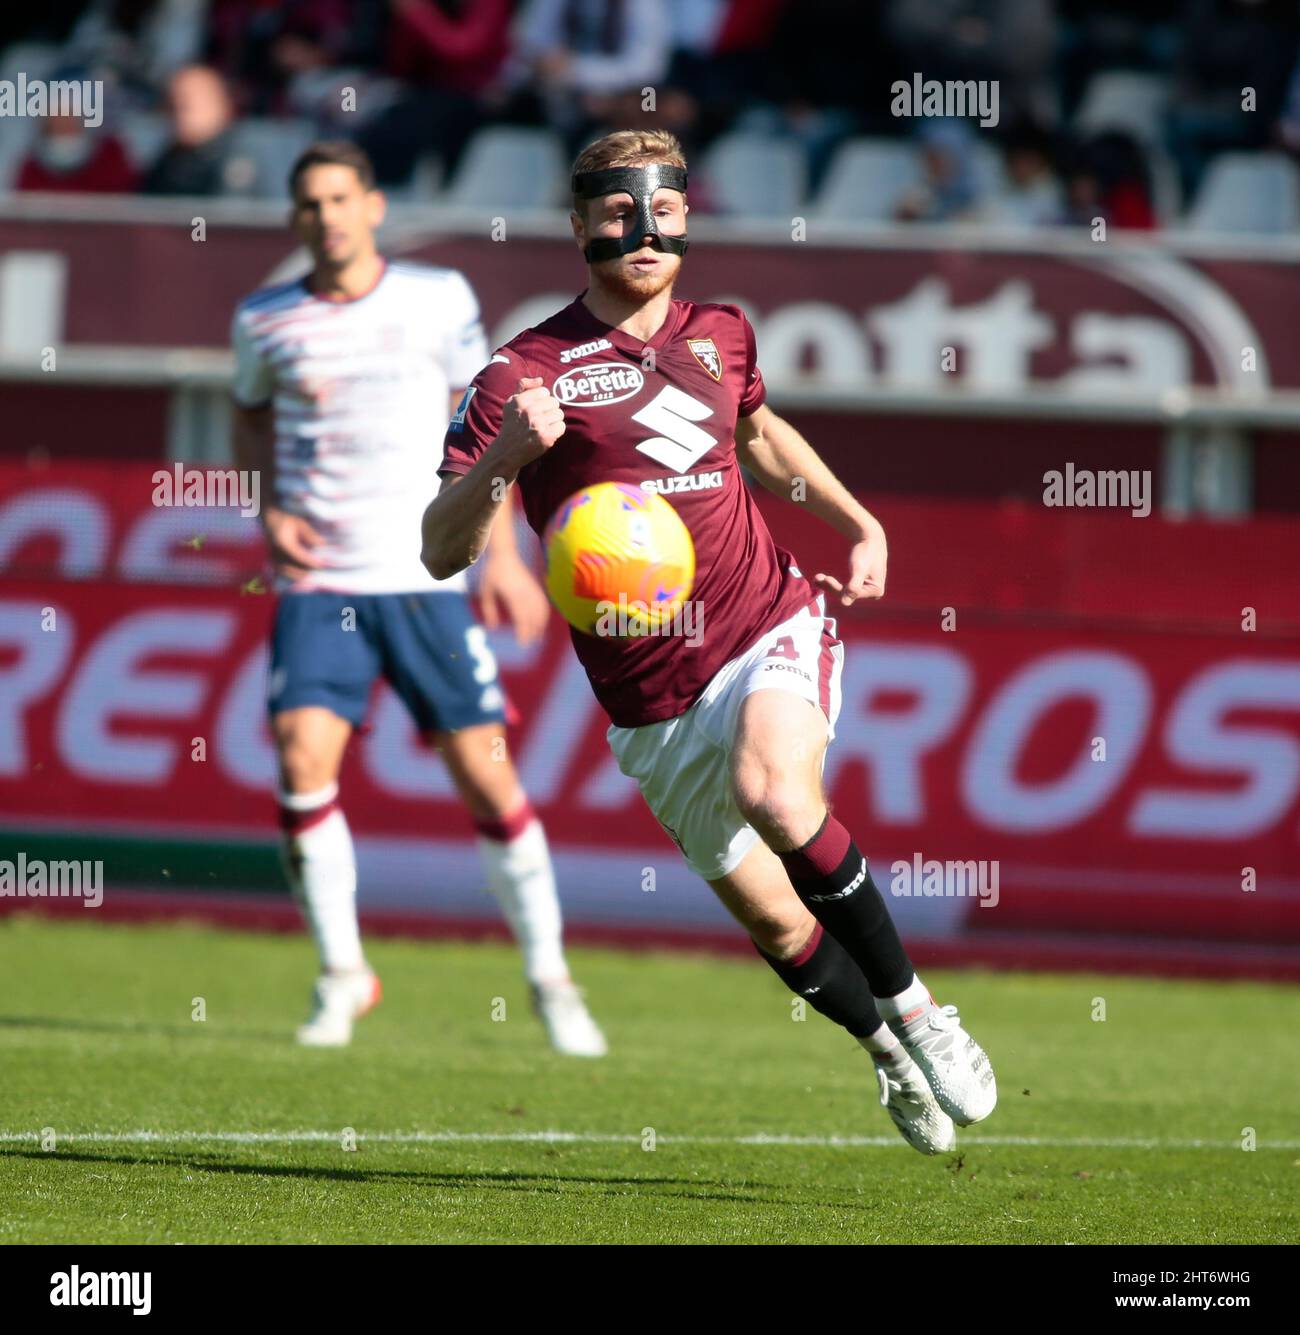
{"points": [[1107, 108]]}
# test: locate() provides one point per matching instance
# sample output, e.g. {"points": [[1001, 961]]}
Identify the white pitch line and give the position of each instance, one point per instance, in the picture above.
{"points": [[596, 1138]]}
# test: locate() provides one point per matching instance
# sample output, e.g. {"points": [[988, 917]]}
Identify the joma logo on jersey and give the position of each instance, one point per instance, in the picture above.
{"points": [[594, 386], [585, 350], [668, 486]]}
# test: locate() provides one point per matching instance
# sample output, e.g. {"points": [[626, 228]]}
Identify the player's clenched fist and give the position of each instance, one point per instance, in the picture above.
{"points": [[532, 421]]}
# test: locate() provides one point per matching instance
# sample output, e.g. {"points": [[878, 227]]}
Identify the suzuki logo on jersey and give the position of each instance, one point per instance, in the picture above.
{"points": [[585, 350], [595, 386], [668, 486], [705, 351], [681, 444]]}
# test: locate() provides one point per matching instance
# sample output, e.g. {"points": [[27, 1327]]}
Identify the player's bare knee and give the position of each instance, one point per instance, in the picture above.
{"points": [[303, 767], [485, 776], [491, 801], [750, 781], [785, 940], [489, 792], [777, 806]]}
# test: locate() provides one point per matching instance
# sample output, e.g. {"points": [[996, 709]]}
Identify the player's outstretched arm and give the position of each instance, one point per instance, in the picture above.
{"points": [[783, 461], [459, 519]]}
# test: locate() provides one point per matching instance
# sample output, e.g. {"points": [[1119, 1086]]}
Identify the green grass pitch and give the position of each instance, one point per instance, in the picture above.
{"points": [[221, 1130]]}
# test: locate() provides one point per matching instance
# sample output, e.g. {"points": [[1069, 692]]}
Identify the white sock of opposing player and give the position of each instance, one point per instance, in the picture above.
{"points": [[322, 870], [518, 866]]}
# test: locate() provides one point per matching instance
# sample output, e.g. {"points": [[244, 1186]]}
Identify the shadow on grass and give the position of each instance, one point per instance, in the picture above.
{"points": [[503, 1180], [193, 1029]]}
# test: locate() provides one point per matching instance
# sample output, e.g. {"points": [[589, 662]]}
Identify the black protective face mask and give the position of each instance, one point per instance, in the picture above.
{"points": [[641, 183]]}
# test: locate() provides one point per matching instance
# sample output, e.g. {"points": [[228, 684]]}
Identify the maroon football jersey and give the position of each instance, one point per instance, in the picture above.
{"points": [[661, 416]]}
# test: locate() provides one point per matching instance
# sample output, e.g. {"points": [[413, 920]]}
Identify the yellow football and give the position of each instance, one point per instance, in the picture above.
{"points": [[619, 560]]}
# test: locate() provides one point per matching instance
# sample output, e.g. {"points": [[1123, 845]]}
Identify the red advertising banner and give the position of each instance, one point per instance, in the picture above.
{"points": [[1117, 781], [1103, 713], [99, 520], [1130, 321], [143, 704], [1136, 314]]}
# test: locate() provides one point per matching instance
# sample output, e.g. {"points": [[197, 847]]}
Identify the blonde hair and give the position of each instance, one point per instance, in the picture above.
{"points": [[628, 148]]}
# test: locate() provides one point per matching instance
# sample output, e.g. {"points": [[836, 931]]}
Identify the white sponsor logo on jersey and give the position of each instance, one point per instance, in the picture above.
{"points": [[585, 349], [595, 386], [669, 486]]}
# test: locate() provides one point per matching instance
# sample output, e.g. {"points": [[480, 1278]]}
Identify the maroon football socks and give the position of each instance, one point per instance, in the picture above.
{"points": [[824, 975], [830, 876]]}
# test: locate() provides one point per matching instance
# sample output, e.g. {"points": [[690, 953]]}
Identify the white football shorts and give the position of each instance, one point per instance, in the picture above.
{"points": [[683, 764]]}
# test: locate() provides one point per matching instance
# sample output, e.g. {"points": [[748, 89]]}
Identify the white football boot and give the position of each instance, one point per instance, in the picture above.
{"points": [[568, 1022], [957, 1068], [339, 999], [908, 1099]]}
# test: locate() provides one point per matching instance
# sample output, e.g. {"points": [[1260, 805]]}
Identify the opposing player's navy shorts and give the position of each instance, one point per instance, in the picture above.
{"points": [[328, 649]]}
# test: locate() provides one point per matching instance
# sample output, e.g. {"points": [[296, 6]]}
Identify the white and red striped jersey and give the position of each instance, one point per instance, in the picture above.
{"points": [[360, 393]]}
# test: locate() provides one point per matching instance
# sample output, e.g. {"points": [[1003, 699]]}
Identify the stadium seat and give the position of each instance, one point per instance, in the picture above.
{"points": [[14, 144], [272, 146], [144, 135], [989, 170], [424, 185], [1124, 100], [755, 175], [866, 179], [1247, 192], [505, 167], [1166, 192]]}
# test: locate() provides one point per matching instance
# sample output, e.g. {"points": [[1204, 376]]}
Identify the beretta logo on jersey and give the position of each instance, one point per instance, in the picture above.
{"points": [[595, 386], [705, 351]]}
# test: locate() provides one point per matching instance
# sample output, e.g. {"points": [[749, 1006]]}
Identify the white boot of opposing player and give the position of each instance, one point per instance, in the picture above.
{"points": [[908, 1099], [322, 871], [518, 866], [955, 1066], [568, 1022], [340, 998]]}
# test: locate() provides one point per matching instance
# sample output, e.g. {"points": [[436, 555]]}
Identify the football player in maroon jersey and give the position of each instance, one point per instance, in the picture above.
{"points": [[726, 737]]}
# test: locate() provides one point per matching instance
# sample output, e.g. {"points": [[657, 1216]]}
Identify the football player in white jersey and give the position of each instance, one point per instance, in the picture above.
{"points": [[345, 381]]}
